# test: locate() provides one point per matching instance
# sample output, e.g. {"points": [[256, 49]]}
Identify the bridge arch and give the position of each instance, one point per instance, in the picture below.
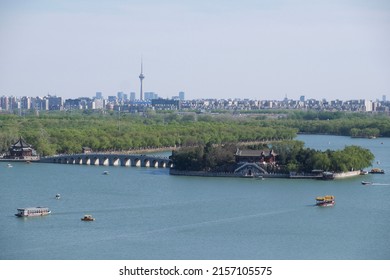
{"points": [[110, 159], [126, 161], [137, 162], [104, 161], [114, 161], [86, 160], [146, 162], [95, 160]]}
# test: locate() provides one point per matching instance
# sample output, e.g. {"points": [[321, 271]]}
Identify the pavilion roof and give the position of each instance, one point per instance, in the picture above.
{"points": [[21, 144], [254, 153]]}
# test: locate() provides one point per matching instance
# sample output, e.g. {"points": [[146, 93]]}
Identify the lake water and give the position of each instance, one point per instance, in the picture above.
{"points": [[143, 213]]}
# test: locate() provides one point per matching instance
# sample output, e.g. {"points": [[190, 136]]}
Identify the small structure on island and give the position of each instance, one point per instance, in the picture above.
{"points": [[256, 156], [86, 150], [21, 151], [254, 163]]}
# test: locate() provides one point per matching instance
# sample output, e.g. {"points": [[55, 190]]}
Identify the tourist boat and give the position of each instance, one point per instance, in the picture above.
{"points": [[324, 201], [363, 172], [32, 212], [106, 173], [377, 171], [366, 183], [9, 165], [58, 196], [88, 218]]}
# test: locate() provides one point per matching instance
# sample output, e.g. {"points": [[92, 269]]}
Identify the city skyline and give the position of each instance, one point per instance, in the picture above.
{"points": [[240, 49]]}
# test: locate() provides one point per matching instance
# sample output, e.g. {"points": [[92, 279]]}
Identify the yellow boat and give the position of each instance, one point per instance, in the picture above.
{"points": [[324, 201]]}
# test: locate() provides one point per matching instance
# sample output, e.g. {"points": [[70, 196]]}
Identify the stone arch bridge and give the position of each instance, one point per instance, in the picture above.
{"points": [[109, 159]]}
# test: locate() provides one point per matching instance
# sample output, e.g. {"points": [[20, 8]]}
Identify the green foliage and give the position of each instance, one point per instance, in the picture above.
{"points": [[298, 159], [207, 157], [335, 123], [67, 132]]}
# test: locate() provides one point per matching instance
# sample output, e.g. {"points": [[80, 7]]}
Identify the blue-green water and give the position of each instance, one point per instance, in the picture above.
{"points": [[143, 213]]}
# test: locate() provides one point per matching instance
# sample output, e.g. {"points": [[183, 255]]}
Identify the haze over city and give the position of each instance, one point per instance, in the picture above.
{"points": [[208, 49]]}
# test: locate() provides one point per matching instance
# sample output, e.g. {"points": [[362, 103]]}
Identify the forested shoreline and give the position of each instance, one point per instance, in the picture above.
{"points": [[68, 132]]}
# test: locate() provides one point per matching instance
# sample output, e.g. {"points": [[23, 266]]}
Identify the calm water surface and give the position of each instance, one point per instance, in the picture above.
{"points": [[143, 213]]}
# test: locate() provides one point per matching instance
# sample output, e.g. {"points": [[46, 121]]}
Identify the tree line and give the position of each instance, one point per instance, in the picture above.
{"points": [[335, 123], [69, 132]]}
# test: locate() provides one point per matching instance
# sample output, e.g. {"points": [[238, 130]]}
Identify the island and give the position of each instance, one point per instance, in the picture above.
{"points": [[282, 159]]}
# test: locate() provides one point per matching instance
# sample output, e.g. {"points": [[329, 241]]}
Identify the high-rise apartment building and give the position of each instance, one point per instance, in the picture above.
{"points": [[150, 95], [132, 96], [181, 95]]}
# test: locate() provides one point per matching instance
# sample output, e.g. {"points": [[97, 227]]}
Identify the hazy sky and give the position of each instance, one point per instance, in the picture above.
{"points": [[264, 49]]}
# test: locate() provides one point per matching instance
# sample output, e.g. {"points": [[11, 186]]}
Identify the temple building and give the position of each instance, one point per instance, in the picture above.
{"points": [[255, 163], [21, 150], [256, 156]]}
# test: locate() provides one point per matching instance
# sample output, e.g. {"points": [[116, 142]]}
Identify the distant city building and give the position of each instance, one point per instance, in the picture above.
{"points": [[181, 95], [55, 103], [12, 104], [132, 96], [25, 103], [150, 95], [99, 103], [367, 105], [82, 103], [41, 104], [165, 104], [302, 98], [72, 104], [4, 103], [99, 95], [112, 99]]}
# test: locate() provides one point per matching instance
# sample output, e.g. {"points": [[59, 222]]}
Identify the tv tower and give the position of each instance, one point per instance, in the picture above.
{"points": [[141, 77]]}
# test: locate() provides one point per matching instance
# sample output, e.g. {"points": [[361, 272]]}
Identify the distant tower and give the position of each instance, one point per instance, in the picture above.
{"points": [[141, 77]]}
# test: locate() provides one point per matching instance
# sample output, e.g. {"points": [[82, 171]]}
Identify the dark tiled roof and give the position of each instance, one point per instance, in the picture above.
{"points": [[255, 153], [21, 144], [249, 153]]}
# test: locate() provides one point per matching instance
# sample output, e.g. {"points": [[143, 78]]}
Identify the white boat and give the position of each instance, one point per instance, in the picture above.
{"points": [[106, 173], [58, 196], [9, 165], [366, 183], [32, 212]]}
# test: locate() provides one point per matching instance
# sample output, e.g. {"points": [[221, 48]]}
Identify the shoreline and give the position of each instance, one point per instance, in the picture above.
{"points": [[337, 176]]}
